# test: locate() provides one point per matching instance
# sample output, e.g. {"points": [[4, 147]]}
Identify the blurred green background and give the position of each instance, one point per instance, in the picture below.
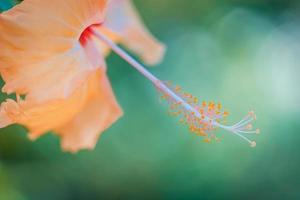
{"points": [[243, 53]]}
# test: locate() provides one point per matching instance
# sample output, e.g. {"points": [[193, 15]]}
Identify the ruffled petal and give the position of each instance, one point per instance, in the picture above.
{"points": [[42, 117], [79, 119], [123, 19], [41, 55], [100, 112]]}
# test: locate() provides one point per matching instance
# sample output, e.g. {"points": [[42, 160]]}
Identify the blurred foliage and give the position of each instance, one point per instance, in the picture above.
{"points": [[244, 53]]}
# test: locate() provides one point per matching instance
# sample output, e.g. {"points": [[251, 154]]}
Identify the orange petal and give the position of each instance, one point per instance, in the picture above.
{"points": [[79, 119], [42, 117], [100, 112], [41, 55], [123, 19]]}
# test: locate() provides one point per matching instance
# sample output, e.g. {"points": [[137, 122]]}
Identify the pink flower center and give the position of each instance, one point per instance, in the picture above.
{"points": [[87, 34], [87, 41]]}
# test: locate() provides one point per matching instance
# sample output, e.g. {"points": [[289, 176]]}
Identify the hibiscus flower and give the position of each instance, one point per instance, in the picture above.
{"points": [[49, 56]]}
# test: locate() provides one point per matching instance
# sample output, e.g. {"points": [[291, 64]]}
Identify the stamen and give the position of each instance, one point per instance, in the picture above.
{"points": [[201, 119]]}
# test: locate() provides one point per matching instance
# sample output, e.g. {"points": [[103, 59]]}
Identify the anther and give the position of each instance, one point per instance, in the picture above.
{"points": [[249, 126], [253, 144]]}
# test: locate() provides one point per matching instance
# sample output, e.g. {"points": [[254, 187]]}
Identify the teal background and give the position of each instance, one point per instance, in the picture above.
{"points": [[243, 53]]}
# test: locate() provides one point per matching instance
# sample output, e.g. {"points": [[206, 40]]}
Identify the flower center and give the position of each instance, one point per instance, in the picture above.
{"points": [[91, 51], [87, 34]]}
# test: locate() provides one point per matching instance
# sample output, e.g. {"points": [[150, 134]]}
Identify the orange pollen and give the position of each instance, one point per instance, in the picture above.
{"points": [[202, 119]]}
